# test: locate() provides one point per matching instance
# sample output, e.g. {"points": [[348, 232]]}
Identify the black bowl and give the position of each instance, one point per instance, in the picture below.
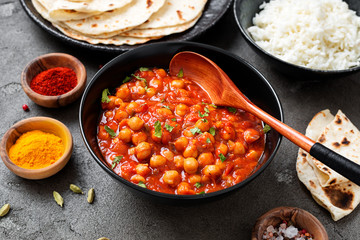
{"points": [[245, 10], [254, 86]]}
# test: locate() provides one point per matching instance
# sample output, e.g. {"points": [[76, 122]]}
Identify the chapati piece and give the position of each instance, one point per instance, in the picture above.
{"points": [[175, 12], [118, 20], [329, 189], [116, 40], [156, 32]]}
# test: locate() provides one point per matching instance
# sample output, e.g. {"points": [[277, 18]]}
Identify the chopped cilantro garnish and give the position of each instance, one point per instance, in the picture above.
{"points": [[232, 110], [181, 73], [162, 100], [203, 115], [208, 140], [204, 120], [203, 103], [157, 126], [213, 105], [222, 157], [167, 107], [146, 88], [144, 69], [195, 130], [168, 127], [127, 79], [212, 131], [198, 185], [141, 184], [173, 119], [104, 96], [139, 78], [200, 193], [206, 110], [115, 161], [110, 131], [266, 128]]}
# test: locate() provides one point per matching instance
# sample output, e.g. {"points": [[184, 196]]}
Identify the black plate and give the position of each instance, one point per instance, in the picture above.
{"points": [[213, 11]]}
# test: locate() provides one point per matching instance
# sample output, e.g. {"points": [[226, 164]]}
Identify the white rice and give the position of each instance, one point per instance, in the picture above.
{"points": [[319, 34]]}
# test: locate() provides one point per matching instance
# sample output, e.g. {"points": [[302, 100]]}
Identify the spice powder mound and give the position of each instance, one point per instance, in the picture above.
{"points": [[54, 81], [36, 149]]}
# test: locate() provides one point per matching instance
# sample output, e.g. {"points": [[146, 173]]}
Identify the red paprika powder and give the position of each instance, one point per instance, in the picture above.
{"points": [[54, 81]]}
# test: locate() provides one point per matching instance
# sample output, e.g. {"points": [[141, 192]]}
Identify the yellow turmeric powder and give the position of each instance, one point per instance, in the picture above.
{"points": [[36, 149]]}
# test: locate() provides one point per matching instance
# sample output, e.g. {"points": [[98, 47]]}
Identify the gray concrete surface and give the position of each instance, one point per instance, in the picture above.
{"points": [[117, 213]]}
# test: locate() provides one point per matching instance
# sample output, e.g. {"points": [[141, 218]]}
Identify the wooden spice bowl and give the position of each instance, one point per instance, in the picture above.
{"points": [[46, 62], [44, 124], [299, 217]]}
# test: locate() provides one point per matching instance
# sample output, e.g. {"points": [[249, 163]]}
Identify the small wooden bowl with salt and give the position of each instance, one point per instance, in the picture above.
{"points": [[46, 125], [50, 61]]}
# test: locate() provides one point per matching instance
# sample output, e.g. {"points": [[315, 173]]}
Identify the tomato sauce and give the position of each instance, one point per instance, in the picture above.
{"points": [[162, 133]]}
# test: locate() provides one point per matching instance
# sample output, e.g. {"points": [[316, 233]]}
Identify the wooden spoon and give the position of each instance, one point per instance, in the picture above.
{"points": [[223, 92]]}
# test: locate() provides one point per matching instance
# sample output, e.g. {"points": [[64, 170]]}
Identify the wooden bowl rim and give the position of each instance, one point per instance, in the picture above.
{"points": [[73, 60], [24, 171], [274, 213]]}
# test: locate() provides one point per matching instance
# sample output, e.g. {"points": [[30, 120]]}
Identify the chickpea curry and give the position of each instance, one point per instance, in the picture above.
{"points": [[163, 133]]}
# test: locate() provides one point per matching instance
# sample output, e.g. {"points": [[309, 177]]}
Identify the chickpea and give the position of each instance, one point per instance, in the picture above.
{"points": [[212, 171], [179, 161], [132, 151], [177, 84], [142, 169], [120, 115], [239, 148], [227, 133], [135, 123], [222, 148], [194, 179], [138, 89], [205, 159], [231, 145], [108, 114], [184, 188], [181, 143], [123, 92], [140, 83], [251, 135], [203, 126], [172, 177], [102, 133], [157, 161], [181, 109], [153, 137], [190, 151], [160, 72], [187, 133], [190, 165], [125, 135], [169, 155], [138, 138], [131, 107], [118, 102], [151, 92], [252, 155], [137, 178], [156, 83], [143, 150], [164, 112]]}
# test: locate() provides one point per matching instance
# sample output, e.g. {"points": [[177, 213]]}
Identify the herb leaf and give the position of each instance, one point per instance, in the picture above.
{"points": [[167, 107], [115, 161], [208, 140], [104, 96], [204, 120], [200, 193], [203, 115], [197, 185], [127, 79], [213, 105], [168, 127], [181, 73], [141, 184], [232, 110], [212, 131], [206, 110], [222, 157], [173, 119], [110, 131], [139, 78], [195, 130], [157, 126], [266, 128], [144, 69]]}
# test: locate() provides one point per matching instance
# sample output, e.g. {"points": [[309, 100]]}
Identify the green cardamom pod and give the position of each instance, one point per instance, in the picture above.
{"points": [[91, 195], [75, 189], [58, 198], [103, 238], [4, 210]]}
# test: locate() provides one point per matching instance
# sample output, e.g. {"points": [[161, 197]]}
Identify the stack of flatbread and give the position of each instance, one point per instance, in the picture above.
{"points": [[331, 190], [120, 22]]}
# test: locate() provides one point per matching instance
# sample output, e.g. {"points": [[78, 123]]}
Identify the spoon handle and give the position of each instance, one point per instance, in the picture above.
{"points": [[338, 163]]}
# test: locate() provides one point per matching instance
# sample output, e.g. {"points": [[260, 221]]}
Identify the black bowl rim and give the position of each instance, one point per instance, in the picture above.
{"points": [[166, 195], [251, 41]]}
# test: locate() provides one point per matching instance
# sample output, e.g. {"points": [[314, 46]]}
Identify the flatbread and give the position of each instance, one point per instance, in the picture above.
{"points": [[118, 20], [175, 12], [156, 32], [329, 189]]}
